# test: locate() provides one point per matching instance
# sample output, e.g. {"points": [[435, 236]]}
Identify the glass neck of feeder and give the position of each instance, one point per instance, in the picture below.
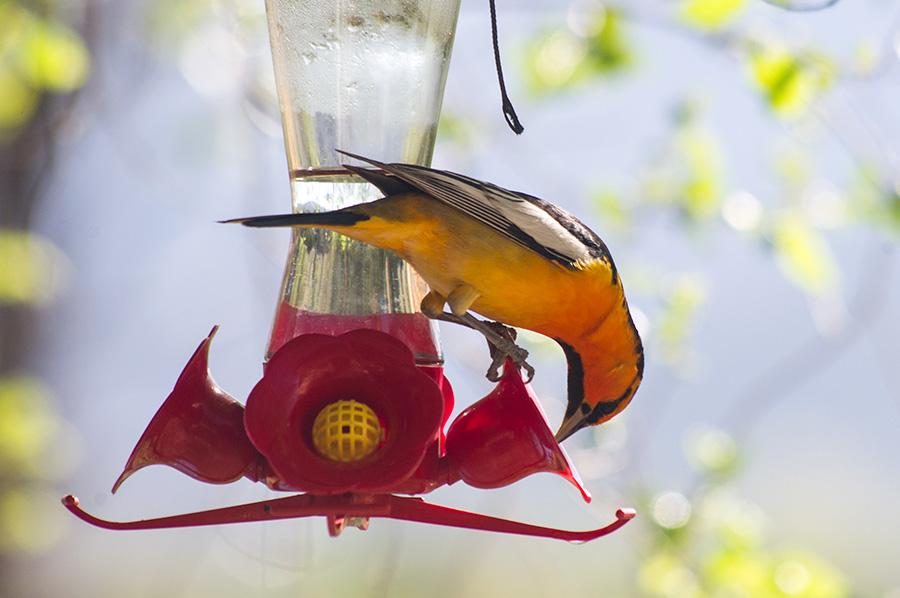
{"points": [[368, 78]]}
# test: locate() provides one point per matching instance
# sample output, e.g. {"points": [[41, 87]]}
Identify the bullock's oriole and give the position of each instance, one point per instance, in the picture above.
{"points": [[510, 257]]}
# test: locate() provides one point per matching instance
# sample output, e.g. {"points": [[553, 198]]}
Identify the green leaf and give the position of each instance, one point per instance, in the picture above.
{"points": [[608, 49], [18, 101], [53, 57], [28, 423], [703, 188], [32, 269], [740, 572], [552, 60], [805, 575], [892, 210], [662, 574], [685, 295], [36, 55], [562, 58], [31, 520], [873, 200], [614, 213], [710, 14], [790, 81], [803, 254], [711, 450], [690, 172]]}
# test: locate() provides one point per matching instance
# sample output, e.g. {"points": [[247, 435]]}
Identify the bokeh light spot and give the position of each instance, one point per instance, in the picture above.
{"points": [[792, 578], [671, 510]]}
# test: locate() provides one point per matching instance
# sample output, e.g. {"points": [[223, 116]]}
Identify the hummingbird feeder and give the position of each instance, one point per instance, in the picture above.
{"points": [[353, 407]]}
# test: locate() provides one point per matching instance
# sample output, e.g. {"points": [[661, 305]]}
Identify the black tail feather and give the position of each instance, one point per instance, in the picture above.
{"points": [[386, 183], [311, 219]]}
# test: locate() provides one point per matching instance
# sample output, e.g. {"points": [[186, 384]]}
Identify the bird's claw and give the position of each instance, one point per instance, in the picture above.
{"points": [[501, 341], [504, 345], [493, 373]]}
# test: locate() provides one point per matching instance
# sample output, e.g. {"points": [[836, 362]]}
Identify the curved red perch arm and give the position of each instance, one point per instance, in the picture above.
{"points": [[353, 509]]}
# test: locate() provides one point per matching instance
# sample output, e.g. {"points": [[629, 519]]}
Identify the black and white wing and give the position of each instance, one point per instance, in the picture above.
{"points": [[530, 221]]}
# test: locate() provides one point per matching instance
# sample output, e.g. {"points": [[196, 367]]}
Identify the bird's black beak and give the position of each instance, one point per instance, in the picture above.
{"points": [[570, 425]]}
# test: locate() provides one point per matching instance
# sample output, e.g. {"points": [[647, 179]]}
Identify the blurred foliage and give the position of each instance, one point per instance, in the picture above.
{"points": [[31, 520], [565, 57], [688, 173], [710, 14], [875, 203], [685, 174], [713, 543], [38, 55], [802, 252], [31, 431], [173, 21], [28, 426], [684, 296], [790, 80], [33, 271], [710, 542]]}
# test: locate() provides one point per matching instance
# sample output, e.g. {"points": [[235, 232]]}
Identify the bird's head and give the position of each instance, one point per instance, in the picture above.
{"points": [[593, 399], [584, 415]]}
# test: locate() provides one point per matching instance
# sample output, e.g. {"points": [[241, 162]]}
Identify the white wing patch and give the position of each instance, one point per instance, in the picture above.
{"points": [[539, 225], [514, 215]]}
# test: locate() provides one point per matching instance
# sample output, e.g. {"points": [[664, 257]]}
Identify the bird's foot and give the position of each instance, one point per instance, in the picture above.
{"points": [[501, 341], [506, 347]]}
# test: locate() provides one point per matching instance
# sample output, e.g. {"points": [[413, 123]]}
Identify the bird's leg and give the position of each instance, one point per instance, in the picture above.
{"points": [[461, 299], [433, 305], [500, 344], [500, 338]]}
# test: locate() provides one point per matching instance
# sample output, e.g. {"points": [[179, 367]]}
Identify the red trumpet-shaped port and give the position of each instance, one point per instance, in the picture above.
{"points": [[328, 377], [199, 430], [505, 436]]}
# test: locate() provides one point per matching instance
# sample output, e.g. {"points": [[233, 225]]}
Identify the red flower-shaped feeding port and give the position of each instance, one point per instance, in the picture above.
{"points": [[352, 422], [316, 377]]}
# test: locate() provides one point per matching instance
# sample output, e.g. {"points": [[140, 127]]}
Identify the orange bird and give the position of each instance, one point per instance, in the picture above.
{"points": [[513, 258]]}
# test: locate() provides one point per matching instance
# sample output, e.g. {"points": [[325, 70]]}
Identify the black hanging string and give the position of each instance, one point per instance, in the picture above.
{"points": [[509, 113]]}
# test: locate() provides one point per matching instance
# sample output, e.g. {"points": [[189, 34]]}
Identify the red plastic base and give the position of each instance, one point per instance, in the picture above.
{"points": [[352, 510]]}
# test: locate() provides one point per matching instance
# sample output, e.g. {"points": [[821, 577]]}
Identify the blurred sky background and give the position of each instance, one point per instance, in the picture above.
{"points": [[739, 159]]}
